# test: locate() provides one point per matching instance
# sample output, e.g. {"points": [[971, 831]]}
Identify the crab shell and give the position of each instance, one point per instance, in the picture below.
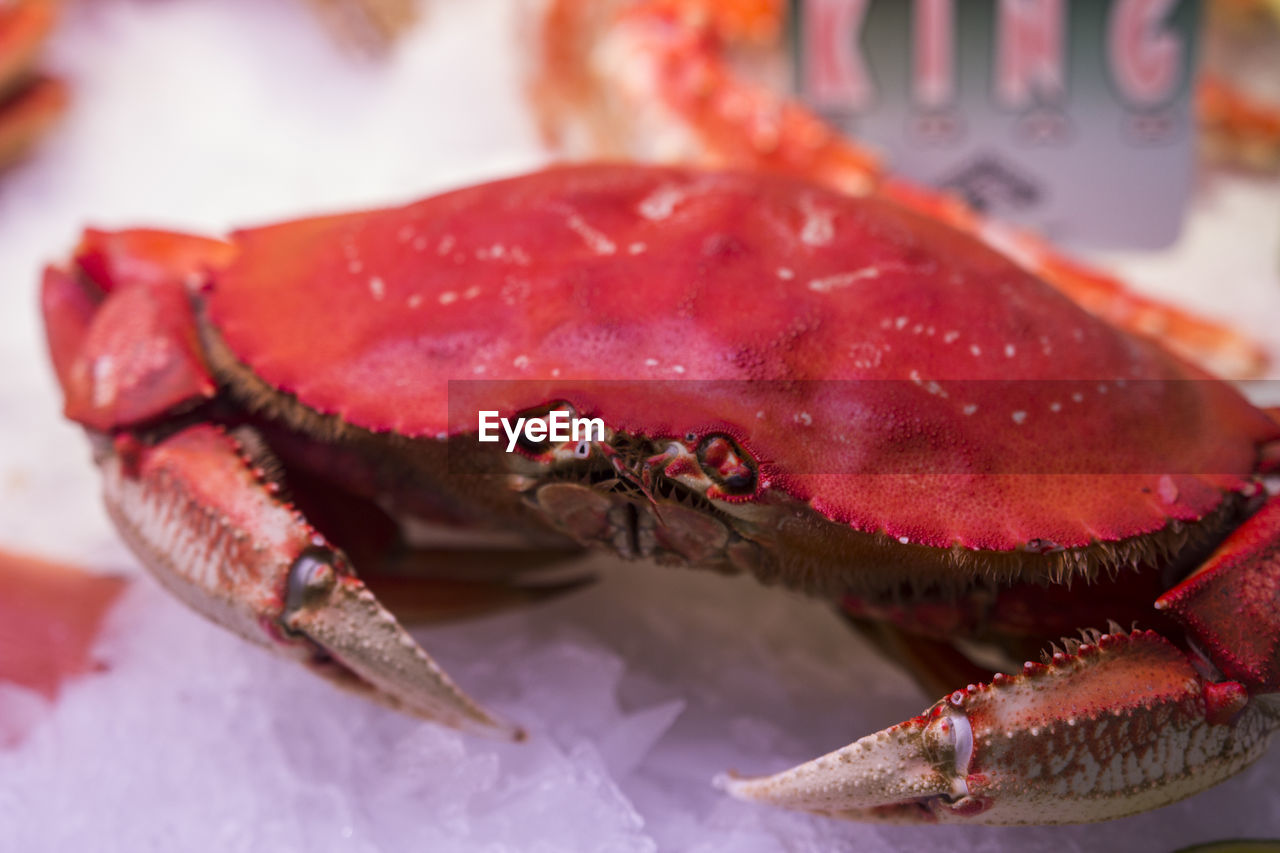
{"points": [[799, 302], [847, 395]]}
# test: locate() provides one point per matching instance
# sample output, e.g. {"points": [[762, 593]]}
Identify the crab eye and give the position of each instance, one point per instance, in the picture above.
{"points": [[310, 576], [544, 413], [727, 464]]}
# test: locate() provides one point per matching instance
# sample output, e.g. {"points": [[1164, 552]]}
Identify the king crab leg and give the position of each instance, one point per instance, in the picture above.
{"points": [[1238, 128]]}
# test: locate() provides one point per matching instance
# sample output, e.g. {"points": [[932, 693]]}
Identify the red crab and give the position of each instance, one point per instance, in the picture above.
{"points": [[831, 393]]}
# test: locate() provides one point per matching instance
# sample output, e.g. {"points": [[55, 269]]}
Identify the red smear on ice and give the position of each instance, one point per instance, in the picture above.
{"points": [[50, 616]]}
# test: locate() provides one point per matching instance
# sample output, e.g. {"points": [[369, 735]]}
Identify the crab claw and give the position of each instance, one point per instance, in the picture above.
{"points": [[207, 521], [1122, 724]]}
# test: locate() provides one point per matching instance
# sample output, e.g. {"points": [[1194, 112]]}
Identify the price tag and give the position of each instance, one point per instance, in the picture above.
{"points": [[1074, 117]]}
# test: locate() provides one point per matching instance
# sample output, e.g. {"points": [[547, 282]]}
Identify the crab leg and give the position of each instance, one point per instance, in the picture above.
{"points": [[209, 525], [1231, 604], [1117, 725], [1237, 128], [1121, 724]]}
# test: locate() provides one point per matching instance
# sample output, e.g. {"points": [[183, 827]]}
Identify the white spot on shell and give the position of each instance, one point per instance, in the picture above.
{"points": [[660, 203], [969, 408], [354, 267], [844, 279], [975, 349], [104, 380], [1077, 397], [448, 297], [446, 244], [900, 323], [651, 362], [819, 224], [677, 368], [950, 337], [865, 355], [414, 301], [378, 288], [786, 273], [595, 240], [636, 248], [804, 418], [1019, 416], [515, 289], [1009, 350], [471, 292], [905, 540], [520, 362], [1055, 406]]}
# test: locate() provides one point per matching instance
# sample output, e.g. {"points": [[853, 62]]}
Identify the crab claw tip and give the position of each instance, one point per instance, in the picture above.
{"points": [[341, 616], [876, 777], [1120, 724]]}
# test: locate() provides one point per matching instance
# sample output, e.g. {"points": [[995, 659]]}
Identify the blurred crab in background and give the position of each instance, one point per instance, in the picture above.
{"points": [[30, 102], [1237, 127], [1240, 127], [369, 25]]}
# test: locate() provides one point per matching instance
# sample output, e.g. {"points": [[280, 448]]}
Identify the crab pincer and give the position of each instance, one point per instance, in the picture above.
{"points": [[1119, 724], [199, 501]]}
